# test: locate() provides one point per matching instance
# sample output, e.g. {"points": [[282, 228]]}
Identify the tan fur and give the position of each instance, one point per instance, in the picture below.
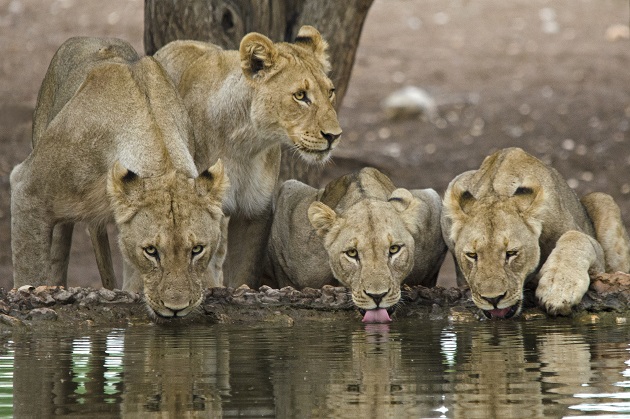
{"points": [[516, 220], [244, 104], [111, 142], [314, 230]]}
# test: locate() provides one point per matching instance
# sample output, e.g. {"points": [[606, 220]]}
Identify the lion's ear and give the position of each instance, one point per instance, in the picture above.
{"points": [[529, 199], [322, 217], [309, 37], [401, 199], [407, 206], [258, 54], [457, 201], [213, 183], [124, 188]]}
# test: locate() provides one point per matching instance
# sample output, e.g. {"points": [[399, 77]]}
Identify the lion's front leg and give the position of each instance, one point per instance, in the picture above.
{"points": [[60, 252], [609, 230], [565, 276], [247, 241], [100, 244], [31, 240]]}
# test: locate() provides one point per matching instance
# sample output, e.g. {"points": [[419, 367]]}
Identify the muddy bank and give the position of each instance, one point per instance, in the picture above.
{"points": [[28, 308]]}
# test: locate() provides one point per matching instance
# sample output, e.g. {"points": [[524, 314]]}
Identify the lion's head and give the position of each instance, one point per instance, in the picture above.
{"points": [[495, 243], [370, 248], [169, 228], [293, 92]]}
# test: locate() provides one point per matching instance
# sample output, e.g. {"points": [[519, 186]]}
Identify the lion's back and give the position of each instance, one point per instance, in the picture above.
{"points": [[67, 71]]}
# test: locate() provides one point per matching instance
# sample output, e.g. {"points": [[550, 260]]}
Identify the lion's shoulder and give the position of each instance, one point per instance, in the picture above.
{"points": [[184, 60]]}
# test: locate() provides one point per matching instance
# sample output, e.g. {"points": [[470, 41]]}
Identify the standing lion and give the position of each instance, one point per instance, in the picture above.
{"points": [[515, 222], [111, 142], [243, 105]]}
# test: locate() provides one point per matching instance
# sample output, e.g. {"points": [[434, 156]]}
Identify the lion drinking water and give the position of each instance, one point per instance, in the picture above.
{"points": [[111, 141], [359, 230], [515, 221]]}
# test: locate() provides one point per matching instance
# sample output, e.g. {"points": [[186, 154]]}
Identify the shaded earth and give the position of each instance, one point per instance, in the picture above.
{"points": [[550, 76]]}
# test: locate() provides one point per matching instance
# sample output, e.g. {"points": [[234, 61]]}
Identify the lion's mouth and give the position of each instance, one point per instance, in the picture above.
{"points": [[502, 313], [164, 313], [316, 154], [377, 315]]}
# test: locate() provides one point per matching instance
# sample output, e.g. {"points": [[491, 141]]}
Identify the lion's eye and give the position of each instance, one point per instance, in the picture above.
{"points": [[300, 95], [331, 93], [510, 254], [471, 255], [197, 250], [151, 252], [352, 253], [393, 249]]}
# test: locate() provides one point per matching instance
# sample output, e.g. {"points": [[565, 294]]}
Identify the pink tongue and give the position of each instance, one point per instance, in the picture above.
{"points": [[378, 315], [500, 312]]}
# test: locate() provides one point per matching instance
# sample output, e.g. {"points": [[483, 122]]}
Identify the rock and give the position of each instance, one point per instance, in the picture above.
{"points": [[242, 290], [618, 32], [11, 321], [42, 295], [107, 295], [311, 293], [63, 296], [534, 314], [26, 289], [408, 102], [91, 298], [220, 292], [462, 314], [43, 313]]}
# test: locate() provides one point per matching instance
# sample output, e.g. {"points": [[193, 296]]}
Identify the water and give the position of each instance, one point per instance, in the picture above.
{"points": [[332, 369]]}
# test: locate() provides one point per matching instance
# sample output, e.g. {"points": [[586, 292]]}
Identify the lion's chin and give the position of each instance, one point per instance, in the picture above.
{"points": [[503, 313], [163, 313], [315, 156]]}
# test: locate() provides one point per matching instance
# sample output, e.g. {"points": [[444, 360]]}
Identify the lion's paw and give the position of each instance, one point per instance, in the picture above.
{"points": [[561, 287]]}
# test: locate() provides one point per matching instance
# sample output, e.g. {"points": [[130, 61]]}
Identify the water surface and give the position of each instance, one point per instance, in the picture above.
{"points": [[341, 369]]}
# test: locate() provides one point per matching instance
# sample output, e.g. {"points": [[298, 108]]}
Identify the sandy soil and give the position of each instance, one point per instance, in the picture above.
{"points": [[538, 74]]}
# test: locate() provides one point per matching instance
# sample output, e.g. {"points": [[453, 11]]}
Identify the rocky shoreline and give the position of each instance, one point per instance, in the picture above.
{"points": [[30, 308]]}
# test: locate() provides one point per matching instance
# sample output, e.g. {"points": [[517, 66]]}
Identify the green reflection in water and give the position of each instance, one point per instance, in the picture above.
{"points": [[6, 383]]}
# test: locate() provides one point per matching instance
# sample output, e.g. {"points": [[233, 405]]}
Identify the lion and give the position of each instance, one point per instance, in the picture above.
{"points": [[111, 142], [244, 104], [361, 231], [515, 222]]}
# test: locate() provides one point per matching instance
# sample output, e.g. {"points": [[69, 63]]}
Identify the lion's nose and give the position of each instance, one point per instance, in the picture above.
{"points": [[494, 300], [330, 138], [377, 297]]}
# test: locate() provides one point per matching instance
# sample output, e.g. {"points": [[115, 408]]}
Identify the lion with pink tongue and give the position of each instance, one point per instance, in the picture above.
{"points": [[359, 231]]}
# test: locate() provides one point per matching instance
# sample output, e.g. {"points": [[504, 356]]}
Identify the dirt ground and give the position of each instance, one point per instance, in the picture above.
{"points": [[550, 76]]}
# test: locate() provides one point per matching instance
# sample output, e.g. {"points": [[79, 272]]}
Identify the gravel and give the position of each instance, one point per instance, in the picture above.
{"points": [[30, 307]]}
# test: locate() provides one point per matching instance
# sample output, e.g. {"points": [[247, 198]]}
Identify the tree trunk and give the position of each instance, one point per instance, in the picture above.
{"points": [[225, 22]]}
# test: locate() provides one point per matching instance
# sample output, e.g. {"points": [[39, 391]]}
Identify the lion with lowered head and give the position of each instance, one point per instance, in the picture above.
{"points": [[111, 142], [244, 104], [515, 222], [360, 231]]}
